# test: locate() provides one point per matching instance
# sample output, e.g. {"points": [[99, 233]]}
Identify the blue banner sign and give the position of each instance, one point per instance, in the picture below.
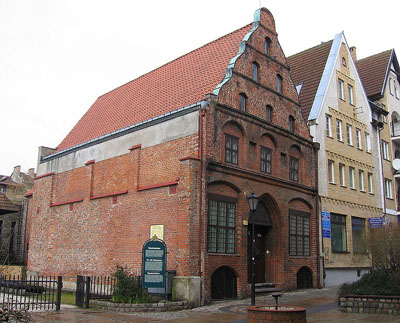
{"points": [[154, 264], [375, 222], [326, 224]]}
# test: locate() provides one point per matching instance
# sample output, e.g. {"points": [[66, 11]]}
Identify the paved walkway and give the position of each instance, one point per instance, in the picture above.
{"points": [[321, 307]]}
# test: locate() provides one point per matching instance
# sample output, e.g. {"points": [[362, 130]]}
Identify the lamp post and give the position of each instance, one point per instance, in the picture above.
{"points": [[253, 200]]}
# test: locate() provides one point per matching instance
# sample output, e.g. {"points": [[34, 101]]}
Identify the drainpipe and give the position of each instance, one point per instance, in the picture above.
{"points": [[380, 128], [200, 155]]}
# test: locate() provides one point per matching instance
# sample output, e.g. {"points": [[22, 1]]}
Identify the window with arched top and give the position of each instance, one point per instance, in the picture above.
{"points": [[242, 102], [291, 124], [254, 71], [268, 43], [268, 113], [279, 83]]}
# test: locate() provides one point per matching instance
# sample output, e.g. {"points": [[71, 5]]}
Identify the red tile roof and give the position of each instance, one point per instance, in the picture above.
{"points": [[372, 71], [307, 67], [179, 83]]}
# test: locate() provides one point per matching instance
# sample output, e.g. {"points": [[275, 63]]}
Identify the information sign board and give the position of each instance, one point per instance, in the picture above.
{"points": [[326, 224], [154, 264]]}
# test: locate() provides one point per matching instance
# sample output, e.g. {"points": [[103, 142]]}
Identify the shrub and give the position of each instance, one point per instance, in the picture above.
{"points": [[127, 288], [378, 281]]}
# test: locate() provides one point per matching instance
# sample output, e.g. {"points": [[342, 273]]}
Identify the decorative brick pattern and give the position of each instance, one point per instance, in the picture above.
{"points": [[370, 304]]}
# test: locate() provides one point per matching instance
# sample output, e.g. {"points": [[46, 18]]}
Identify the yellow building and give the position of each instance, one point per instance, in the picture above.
{"points": [[341, 120]]}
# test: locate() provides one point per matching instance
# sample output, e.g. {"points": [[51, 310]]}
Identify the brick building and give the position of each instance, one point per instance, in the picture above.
{"points": [[178, 150]]}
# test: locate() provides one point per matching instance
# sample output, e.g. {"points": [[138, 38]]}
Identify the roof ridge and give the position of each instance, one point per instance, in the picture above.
{"points": [[374, 55], [192, 51], [311, 48]]}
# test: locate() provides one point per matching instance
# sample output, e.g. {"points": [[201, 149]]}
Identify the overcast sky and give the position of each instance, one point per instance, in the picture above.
{"points": [[58, 56]]}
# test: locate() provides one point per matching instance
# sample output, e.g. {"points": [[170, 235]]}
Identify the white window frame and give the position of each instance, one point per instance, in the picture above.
{"points": [[367, 142], [350, 92], [358, 138], [328, 119], [370, 181], [331, 171], [342, 179], [339, 131], [351, 178], [385, 150], [341, 89], [349, 134], [388, 188], [361, 180]]}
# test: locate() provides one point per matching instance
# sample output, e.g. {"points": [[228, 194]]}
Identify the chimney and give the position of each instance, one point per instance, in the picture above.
{"points": [[31, 172], [353, 51], [17, 169]]}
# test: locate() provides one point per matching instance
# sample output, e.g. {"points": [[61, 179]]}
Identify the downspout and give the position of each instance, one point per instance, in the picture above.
{"points": [[200, 155], [382, 173]]}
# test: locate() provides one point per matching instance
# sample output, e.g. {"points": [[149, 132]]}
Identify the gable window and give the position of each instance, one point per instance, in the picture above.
{"points": [[231, 149], [266, 157], [351, 178], [268, 43], [369, 177], [341, 175], [331, 171], [299, 233], [291, 124], [268, 113], [339, 132], [294, 169], [328, 129], [388, 188], [367, 142], [338, 232], [349, 133], [385, 150], [279, 83], [341, 89], [242, 102], [350, 93], [358, 138], [358, 233], [361, 180], [254, 71], [221, 227]]}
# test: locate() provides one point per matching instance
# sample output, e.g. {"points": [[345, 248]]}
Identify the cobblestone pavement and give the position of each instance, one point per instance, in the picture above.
{"points": [[321, 307]]}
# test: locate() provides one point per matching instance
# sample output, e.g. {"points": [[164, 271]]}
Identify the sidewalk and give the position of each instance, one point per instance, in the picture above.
{"points": [[321, 307]]}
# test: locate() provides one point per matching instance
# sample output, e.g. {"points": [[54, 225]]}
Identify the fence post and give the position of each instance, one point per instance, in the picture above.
{"points": [[59, 287], [87, 296]]}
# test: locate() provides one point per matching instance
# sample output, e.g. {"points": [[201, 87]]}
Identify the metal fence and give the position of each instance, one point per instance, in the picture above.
{"points": [[31, 293]]}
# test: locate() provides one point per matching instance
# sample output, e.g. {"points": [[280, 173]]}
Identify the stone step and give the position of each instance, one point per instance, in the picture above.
{"points": [[260, 290], [271, 285]]}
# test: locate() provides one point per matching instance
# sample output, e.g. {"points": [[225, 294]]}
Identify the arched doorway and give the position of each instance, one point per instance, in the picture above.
{"points": [[262, 225], [304, 278], [223, 283]]}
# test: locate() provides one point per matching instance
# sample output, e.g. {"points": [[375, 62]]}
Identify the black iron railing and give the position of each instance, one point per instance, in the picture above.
{"points": [[31, 293]]}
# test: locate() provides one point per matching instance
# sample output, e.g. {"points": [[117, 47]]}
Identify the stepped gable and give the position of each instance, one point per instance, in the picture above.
{"points": [[306, 68], [372, 71], [179, 83]]}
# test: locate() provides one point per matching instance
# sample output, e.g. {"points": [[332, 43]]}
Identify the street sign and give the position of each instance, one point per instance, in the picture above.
{"points": [[154, 263], [375, 222]]}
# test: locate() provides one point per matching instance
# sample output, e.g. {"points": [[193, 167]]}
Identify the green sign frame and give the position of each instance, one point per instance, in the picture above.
{"points": [[154, 264]]}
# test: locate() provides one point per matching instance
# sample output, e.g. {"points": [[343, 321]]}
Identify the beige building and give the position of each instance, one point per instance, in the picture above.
{"points": [[341, 120], [380, 75]]}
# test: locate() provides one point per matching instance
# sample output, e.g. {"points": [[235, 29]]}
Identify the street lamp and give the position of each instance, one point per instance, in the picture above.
{"points": [[253, 200]]}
